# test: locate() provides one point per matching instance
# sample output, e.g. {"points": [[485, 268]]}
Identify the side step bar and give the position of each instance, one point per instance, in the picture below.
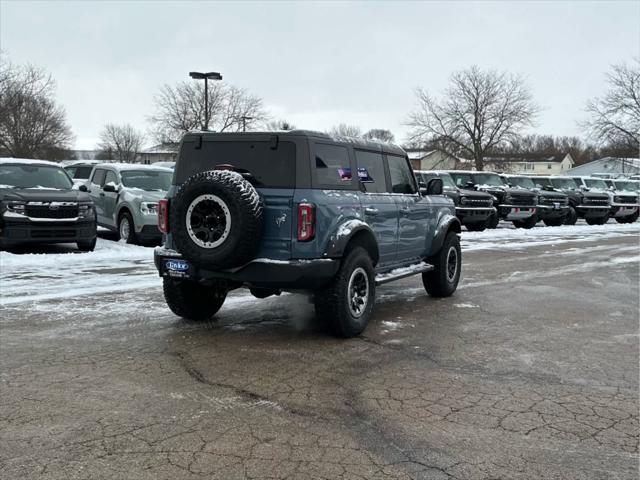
{"points": [[403, 272]]}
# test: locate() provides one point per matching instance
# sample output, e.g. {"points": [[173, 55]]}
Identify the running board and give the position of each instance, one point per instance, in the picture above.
{"points": [[398, 273]]}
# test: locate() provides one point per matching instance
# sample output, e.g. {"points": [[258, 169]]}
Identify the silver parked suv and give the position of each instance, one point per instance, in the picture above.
{"points": [[126, 198]]}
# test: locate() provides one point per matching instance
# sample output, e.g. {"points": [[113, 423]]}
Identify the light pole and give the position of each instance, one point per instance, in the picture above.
{"points": [[244, 122], [206, 76]]}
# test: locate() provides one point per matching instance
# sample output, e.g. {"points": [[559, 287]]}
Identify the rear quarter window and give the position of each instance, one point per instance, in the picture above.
{"points": [[331, 166], [271, 168]]}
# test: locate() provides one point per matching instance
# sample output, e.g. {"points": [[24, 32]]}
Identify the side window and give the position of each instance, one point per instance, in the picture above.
{"points": [[110, 178], [371, 171], [71, 171], [332, 165], [98, 177], [402, 180]]}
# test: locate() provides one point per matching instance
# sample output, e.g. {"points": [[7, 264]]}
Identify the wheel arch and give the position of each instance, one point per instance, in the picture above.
{"points": [[448, 223], [351, 234]]}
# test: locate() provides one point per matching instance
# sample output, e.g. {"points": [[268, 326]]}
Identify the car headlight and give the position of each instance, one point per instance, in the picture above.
{"points": [[508, 198], [85, 210], [149, 208], [15, 207], [463, 200]]}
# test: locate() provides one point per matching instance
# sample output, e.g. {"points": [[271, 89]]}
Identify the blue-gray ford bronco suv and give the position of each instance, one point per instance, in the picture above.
{"points": [[305, 212]]}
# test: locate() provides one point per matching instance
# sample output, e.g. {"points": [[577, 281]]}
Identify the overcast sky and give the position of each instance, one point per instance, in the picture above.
{"points": [[316, 64]]}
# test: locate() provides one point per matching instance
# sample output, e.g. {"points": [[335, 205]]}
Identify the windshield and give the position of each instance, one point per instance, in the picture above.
{"points": [[542, 182], [447, 181], [522, 182], [595, 183], [627, 186], [461, 179], [490, 179], [81, 173], [564, 183], [146, 179], [34, 176]]}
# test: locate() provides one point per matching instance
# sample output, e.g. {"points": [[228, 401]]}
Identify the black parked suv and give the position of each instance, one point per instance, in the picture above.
{"points": [[513, 204], [553, 206], [474, 209], [38, 205], [301, 211], [594, 207]]}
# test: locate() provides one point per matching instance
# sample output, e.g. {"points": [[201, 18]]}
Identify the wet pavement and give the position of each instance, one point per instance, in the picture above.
{"points": [[529, 371]]}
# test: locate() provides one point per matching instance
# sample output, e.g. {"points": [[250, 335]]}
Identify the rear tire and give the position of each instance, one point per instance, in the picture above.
{"points": [[527, 224], [347, 304], [597, 220], [493, 221], [443, 280], [572, 216], [192, 300]]}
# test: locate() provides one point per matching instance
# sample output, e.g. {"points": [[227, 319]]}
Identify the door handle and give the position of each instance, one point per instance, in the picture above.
{"points": [[370, 211]]}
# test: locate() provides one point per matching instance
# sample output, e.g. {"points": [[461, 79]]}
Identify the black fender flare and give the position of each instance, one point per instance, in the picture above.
{"points": [[348, 231], [447, 223]]}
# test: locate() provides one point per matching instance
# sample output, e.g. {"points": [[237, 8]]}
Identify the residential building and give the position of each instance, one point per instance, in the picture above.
{"points": [[431, 159], [613, 166], [523, 164], [164, 152]]}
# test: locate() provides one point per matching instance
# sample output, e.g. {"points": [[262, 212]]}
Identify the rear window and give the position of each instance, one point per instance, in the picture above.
{"points": [[269, 168]]}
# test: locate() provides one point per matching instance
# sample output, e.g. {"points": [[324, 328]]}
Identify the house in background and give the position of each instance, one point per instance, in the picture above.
{"points": [[613, 166], [164, 152], [431, 159], [523, 164]]}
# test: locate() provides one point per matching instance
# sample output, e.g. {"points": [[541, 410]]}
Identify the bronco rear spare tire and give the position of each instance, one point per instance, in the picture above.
{"points": [[216, 219]]}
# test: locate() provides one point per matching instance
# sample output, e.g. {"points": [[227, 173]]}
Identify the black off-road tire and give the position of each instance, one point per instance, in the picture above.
{"points": [[477, 226], [597, 220], [191, 300], [628, 219], [87, 246], [333, 303], [131, 237], [441, 282], [244, 211], [572, 216], [556, 222], [526, 224], [493, 221]]}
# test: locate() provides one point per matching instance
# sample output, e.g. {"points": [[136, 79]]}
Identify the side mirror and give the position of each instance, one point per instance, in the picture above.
{"points": [[422, 188], [83, 188], [109, 187], [434, 187]]}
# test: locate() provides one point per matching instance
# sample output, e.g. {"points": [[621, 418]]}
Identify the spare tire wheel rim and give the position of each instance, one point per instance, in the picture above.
{"points": [[208, 221], [358, 292]]}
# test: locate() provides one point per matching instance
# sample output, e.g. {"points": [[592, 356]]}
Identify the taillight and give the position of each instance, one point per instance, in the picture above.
{"points": [[306, 222], [163, 215]]}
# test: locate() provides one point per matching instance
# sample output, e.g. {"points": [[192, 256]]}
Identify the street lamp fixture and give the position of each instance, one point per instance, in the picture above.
{"points": [[206, 76]]}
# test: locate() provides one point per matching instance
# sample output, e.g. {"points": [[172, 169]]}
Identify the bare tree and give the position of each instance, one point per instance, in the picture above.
{"points": [[344, 130], [278, 125], [180, 108], [32, 125], [479, 111], [615, 117], [380, 134], [121, 142]]}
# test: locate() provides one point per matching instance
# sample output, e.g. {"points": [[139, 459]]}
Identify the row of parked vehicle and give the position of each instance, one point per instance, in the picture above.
{"points": [[43, 203], [482, 199]]}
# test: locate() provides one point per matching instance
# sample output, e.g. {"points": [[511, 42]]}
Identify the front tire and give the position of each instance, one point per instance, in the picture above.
{"points": [[347, 304], [477, 226], [572, 216], [527, 224], [598, 220], [87, 246], [443, 280], [126, 228], [556, 222], [191, 300], [493, 221]]}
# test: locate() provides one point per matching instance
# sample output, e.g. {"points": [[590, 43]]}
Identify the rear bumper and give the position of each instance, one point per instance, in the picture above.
{"points": [[298, 274], [149, 233], [23, 232], [474, 214]]}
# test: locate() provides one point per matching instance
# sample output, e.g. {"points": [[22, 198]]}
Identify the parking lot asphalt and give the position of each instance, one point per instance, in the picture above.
{"points": [[529, 371]]}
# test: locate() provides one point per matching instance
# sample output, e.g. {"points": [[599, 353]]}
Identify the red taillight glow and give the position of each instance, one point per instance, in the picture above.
{"points": [[306, 222], [224, 166], [163, 215]]}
